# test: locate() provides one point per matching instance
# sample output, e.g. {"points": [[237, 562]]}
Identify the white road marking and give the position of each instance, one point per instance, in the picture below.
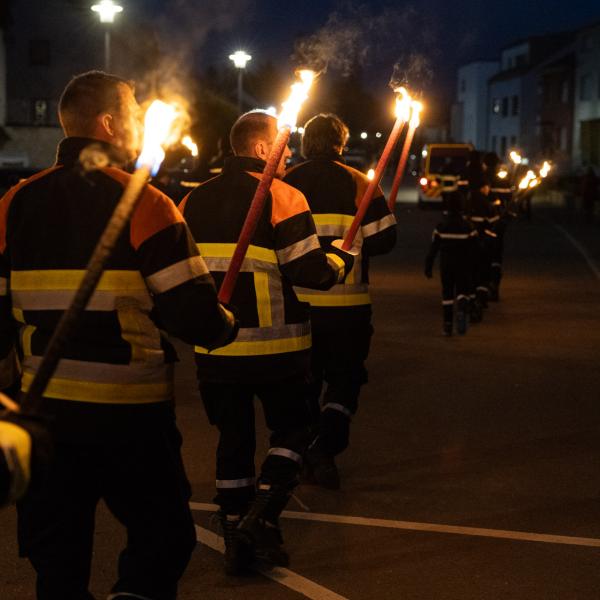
{"points": [[285, 577], [588, 259], [522, 536]]}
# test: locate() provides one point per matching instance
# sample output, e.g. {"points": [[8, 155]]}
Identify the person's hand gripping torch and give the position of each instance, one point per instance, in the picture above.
{"points": [[402, 116], [415, 120], [286, 121], [25, 446]]}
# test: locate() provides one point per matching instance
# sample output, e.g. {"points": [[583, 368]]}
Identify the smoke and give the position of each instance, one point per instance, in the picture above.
{"points": [[354, 37]]}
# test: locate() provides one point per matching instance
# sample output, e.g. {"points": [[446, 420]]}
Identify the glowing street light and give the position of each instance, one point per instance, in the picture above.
{"points": [[240, 59], [107, 10]]}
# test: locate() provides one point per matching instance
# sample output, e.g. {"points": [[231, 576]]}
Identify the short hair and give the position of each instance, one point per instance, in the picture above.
{"points": [[247, 129], [85, 97], [323, 134]]}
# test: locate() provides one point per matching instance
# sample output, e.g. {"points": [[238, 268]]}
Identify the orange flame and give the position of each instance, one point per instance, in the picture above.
{"points": [[298, 94], [158, 125]]}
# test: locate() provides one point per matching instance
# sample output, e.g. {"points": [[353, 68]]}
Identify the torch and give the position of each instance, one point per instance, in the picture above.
{"points": [[158, 124], [286, 122], [402, 115], [415, 121]]}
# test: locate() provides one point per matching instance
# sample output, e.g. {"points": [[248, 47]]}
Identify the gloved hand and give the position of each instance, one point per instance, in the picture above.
{"points": [[230, 329], [341, 259]]}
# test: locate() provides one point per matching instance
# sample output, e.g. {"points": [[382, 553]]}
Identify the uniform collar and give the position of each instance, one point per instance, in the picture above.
{"points": [[69, 150], [244, 163], [332, 156]]}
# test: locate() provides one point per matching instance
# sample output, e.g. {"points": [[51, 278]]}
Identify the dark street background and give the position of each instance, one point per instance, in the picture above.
{"points": [[497, 430]]}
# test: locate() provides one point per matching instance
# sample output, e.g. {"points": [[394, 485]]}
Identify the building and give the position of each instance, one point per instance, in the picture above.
{"points": [[514, 106], [586, 122], [470, 113]]}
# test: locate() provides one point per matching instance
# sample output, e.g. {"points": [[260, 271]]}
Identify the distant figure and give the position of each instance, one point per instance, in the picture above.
{"points": [[589, 193], [455, 239]]}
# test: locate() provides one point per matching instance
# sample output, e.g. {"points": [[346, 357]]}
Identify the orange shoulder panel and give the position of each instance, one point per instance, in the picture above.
{"points": [[181, 205], [287, 202], [362, 183], [6, 200], [155, 210]]}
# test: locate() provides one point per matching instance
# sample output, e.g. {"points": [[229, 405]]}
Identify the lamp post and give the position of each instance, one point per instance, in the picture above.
{"points": [[240, 60], [107, 10]]}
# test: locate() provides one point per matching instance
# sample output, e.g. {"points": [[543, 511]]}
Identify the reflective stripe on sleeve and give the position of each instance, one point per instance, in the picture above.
{"points": [[454, 236], [477, 219], [176, 274], [339, 407], [447, 302], [377, 226], [230, 484], [338, 264], [294, 251], [285, 453], [490, 233]]}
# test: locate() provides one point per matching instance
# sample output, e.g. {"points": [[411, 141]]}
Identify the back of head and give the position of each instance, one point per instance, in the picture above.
{"points": [[86, 97], [324, 135], [248, 129]]}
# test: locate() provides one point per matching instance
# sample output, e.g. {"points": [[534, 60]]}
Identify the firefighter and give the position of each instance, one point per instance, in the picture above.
{"points": [[500, 202], [110, 400], [341, 317], [270, 358], [455, 239]]}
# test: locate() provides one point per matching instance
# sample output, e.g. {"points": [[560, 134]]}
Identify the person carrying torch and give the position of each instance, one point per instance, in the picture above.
{"points": [[109, 402], [270, 358], [341, 316]]}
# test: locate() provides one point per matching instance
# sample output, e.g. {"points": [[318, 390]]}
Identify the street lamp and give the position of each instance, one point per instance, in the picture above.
{"points": [[107, 10], [240, 60]]}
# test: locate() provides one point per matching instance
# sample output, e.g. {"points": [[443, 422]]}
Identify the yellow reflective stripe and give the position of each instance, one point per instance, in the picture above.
{"points": [[140, 332], [26, 334], [261, 347], [17, 313], [226, 251], [103, 393], [335, 299], [333, 219], [16, 444], [70, 280], [336, 262], [263, 299], [3, 286]]}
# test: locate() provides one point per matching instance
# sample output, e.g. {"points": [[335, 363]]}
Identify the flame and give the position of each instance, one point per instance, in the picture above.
{"points": [[190, 145], [528, 180], [403, 104], [546, 168], [502, 174], [371, 174], [415, 113], [158, 124], [516, 157], [298, 94]]}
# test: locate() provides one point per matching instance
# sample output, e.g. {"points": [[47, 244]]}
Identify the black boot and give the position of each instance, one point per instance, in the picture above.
{"points": [[461, 316], [238, 556], [259, 529]]}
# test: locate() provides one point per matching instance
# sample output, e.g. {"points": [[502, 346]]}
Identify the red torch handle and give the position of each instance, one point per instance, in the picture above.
{"points": [[368, 195], [401, 167], [254, 212]]}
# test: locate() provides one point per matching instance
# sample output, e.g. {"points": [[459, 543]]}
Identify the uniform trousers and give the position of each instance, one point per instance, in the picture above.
{"points": [[456, 282]]}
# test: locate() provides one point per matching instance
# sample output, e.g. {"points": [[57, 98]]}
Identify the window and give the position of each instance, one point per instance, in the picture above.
{"points": [[503, 146], [496, 106], [515, 105], [585, 87], [39, 53], [505, 107]]}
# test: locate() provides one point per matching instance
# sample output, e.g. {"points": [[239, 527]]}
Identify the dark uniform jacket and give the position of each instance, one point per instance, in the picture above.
{"points": [[454, 238], [117, 370], [334, 191], [274, 339]]}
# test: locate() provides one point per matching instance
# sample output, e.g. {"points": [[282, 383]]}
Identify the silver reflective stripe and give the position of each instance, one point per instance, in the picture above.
{"points": [[481, 288], [3, 286], [463, 182], [294, 251], [339, 407], [285, 453], [501, 190], [474, 233], [496, 264], [96, 372], [255, 334], [493, 219], [490, 233], [250, 265], [454, 236], [331, 230], [447, 302], [230, 484], [377, 226], [61, 299], [461, 296], [477, 219], [176, 274]]}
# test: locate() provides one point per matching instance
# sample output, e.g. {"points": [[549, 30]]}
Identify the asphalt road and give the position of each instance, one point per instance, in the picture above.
{"points": [[474, 466]]}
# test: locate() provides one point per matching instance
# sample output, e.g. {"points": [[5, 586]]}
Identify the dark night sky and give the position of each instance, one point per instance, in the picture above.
{"points": [[447, 33]]}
